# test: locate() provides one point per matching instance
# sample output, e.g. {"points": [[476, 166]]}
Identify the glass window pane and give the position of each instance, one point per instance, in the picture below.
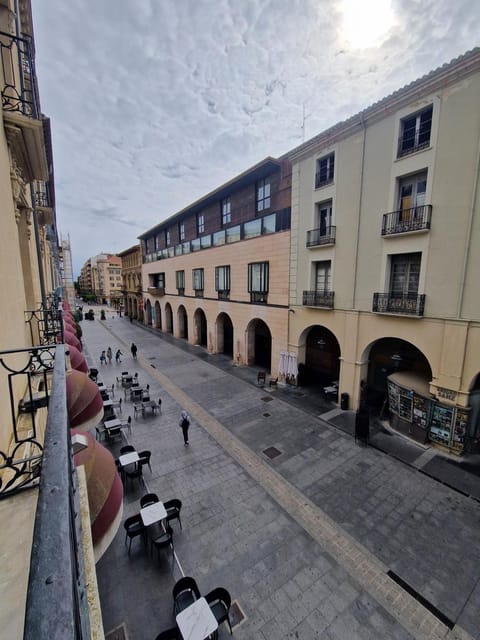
{"points": [[233, 234], [252, 229], [219, 238], [269, 223]]}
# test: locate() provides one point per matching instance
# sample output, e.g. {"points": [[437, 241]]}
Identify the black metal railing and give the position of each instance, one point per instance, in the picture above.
{"points": [[18, 92], [408, 303], [42, 194], [322, 178], [57, 605], [25, 374], [259, 297], [317, 237], [318, 299], [405, 220], [46, 324]]}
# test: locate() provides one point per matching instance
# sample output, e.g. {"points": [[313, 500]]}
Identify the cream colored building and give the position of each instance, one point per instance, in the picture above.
{"points": [[385, 256], [132, 282], [216, 273], [101, 275], [30, 327]]}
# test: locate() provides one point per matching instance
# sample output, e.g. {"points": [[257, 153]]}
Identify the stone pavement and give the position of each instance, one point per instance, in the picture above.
{"points": [[314, 536]]}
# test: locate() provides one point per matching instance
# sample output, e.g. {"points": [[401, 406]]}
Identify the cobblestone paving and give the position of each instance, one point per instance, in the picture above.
{"points": [[303, 541]]}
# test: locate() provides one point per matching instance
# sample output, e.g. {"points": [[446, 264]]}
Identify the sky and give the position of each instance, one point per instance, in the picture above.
{"points": [[154, 103]]}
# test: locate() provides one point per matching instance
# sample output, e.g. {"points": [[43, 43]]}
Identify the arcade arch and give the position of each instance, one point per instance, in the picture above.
{"points": [[224, 331], [259, 344]]}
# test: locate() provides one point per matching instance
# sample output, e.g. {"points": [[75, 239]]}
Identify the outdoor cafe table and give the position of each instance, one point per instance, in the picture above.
{"points": [[197, 621], [153, 513], [136, 393], [149, 404], [129, 458]]}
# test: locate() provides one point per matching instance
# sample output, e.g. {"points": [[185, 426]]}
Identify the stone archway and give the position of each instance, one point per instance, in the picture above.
{"points": [[224, 329], [148, 313], [168, 318], [182, 320], [158, 316], [322, 357], [200, 327], [390, 355], [259, 344]]}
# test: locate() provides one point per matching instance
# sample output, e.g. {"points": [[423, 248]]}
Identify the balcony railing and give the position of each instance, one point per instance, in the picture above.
{"points": [[323, 178], [318, 237], [156, 291], [406, 220], [408, 304], [19, 91], [42, 194], [46, 326], [57, 603], [318, 299]]}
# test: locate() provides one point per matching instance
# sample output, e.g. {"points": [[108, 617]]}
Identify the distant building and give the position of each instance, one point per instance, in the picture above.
{"points": [[101, 276], [216, 273], [132, 282], [384, 260]]}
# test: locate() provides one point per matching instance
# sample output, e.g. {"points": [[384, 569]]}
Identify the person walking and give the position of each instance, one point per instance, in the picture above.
{"points": [[117, 356], [184, 424], [109, 355], [103, 358], [133, 349]]}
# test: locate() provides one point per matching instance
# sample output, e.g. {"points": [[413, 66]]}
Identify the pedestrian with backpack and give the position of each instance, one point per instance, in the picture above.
{"points": [[184, 424]]}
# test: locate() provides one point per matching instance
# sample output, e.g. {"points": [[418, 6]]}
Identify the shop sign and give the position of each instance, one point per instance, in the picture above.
{"points": [[448, 394]]}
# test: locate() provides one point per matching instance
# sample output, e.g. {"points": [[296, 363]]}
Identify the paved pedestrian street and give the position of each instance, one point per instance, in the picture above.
{"points": [[314, 536]]}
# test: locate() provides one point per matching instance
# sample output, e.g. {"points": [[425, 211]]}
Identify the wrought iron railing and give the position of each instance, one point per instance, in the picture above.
{"points": [[46, 325], [42, 194], [405, 220], [18, 92], [57, 605], [318, 299], [408, 303], [26, 374], [316, 237]]}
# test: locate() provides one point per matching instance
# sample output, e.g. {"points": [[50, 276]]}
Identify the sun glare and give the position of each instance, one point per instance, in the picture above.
{"points": [[365, 24]]}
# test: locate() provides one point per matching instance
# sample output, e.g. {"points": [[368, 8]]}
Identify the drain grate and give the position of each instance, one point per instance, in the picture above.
{"points": [[272, 452], [266, 415], [266, 399], [237, 616], [119, 633], [423, 601]]}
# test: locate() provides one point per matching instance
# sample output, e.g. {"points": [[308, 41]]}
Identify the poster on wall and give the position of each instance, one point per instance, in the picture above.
{"points": [[420, 411], [441, 425], [460, 429], [405, 404], [392, 397]]}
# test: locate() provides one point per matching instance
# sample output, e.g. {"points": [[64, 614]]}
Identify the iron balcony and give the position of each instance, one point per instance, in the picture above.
{"points": [[407, 220], [318, 299], [324, 236], [410, 304]]}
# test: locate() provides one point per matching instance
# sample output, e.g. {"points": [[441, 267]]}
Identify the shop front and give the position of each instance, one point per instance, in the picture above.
{"points": [[416, 413]]}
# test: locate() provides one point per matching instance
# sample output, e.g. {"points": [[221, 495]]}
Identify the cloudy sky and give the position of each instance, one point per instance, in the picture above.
{"points": [[154, 103]]}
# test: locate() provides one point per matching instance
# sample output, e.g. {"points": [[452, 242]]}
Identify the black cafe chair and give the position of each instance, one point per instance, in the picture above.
{"points": [[148, 498], [163, 539], [173, 508], [170, 634], [133, 527], [219, 601], [185, 592], [144, 458], [128, 448]]}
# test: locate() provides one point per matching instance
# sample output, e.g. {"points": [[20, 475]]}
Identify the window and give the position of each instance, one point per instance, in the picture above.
{"points": [[198, 282], [181, 231], [324, 217], [415, 132], [226, 211], [258, 281], [404, 274], [157, 280], [263, 194], [325, 170], [411, 194], [180, 282], [322, 276], [200, 223], [167, 237], [222, 282]]}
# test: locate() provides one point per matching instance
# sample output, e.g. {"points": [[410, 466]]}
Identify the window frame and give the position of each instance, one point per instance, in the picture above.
{"points": [[224, 291], [198, 274], [263, 200], [180, 281], [325, 170], [258, 292], [226, 211], [181, 231], [200, 223], [419, 140]]}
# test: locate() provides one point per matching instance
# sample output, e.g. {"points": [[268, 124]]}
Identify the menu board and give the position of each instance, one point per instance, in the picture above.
{"points": [[441, 425], [420, 411], [393, 397], [460, 429], [405, 404]]}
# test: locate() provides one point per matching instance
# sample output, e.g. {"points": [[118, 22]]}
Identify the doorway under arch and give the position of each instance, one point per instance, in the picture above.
{"points": [[148, 313], [322, 358], [182, 322], [168, 318], [259, 341], [158, 316], [390, 355], [224, 328], [200, 324]]}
